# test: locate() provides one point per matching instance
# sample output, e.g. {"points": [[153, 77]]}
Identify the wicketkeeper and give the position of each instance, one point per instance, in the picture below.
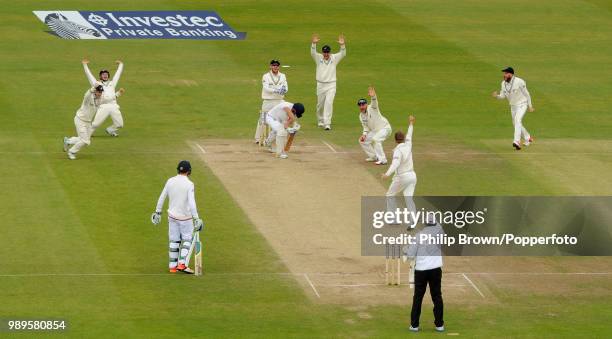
{"points": [[183, 217], [273, 89], [376, 129], [282, 120]]}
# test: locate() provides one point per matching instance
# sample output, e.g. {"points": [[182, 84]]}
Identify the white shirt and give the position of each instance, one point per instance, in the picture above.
{"points": [[180, 191], [402, 157], [326, 69], [278, 112], [89, 106], [427, 256], [109, 96], [372, 120], [270, 83], [515, 91]]}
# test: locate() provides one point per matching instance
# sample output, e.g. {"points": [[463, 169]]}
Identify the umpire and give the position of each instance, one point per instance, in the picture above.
{"points": [[428, 270]]}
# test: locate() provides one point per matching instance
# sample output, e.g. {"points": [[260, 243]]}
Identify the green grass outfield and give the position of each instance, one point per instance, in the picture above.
{"points": [[436, 59]]}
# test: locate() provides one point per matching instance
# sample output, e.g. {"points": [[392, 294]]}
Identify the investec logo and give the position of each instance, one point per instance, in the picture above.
{"points": [[139, 25]]}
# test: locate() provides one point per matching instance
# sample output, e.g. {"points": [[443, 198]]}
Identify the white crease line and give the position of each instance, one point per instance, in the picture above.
{"points": [[370, 285], [312, 285], [201, 148], [473, 285], [329, 146]]}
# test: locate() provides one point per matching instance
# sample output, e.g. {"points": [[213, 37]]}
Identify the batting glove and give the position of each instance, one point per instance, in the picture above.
{"points": [[198, 224], [156, 218]]}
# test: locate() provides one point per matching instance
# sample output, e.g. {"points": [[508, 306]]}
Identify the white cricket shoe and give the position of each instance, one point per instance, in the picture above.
{"points": [[283, 156], [381, 162], [111, 132], [320, 124], [71, 156], [439, 328], [66, 144], [328, 127], [371, 159], [413, 329]]}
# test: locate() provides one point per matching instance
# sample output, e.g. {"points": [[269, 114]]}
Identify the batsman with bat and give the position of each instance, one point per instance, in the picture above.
{"points": [[282, 120], [183, 219]]}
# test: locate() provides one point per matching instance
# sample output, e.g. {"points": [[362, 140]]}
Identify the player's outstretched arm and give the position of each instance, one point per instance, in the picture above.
{"points": [[411, 121], [313, 47], [92, 80], [373, 98], [340, 55], [118, 72]]}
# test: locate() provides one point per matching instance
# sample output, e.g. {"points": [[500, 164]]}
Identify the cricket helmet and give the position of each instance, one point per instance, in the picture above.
{"points": [[99, 88], [326, 49], [298, 109], [184, 167]]}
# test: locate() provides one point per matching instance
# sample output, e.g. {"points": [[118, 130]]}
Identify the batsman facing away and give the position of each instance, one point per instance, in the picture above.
{"points": [[183, 219]]}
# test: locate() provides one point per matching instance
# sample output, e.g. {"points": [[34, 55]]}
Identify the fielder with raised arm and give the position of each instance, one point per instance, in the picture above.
{"points": [[282, 120], [326, 79], [515, 90], [83, 119], [273, 89], [109, 104], [376, 128], [183, 217], [404, 178]]}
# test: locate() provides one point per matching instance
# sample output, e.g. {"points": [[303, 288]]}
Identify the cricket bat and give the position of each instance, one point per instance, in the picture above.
{"points": [[198, 255], [290, 141], [411, 273]]}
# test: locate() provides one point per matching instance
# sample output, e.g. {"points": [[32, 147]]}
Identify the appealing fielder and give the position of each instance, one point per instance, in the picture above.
{"points": [[515, 90], [376, 129], [282, 120], [326, 79], [109, 104], [183, 217], [404, 179], [273, 89], [82, 120]]}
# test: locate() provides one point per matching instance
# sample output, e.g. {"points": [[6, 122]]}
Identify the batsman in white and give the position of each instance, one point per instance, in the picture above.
{"points": [[326, 79], [376, 128], [515, 90], [404, 179], [83, 118], [282, 120], [273, 89], [109, 104], [183, 217]]}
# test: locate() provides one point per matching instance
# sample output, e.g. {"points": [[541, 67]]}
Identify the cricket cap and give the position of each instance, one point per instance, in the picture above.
{"points": [[326, 49], [361, 102], [298, 109], [184, 166], [275, 62], [508, 70]]}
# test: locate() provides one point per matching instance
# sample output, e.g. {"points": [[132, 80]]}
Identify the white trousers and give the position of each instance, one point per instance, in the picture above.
{"points": [[102, 114], [266, 106], [83, 129], [518, 112], [326, 92], [180, 233], [278, 132], [372, 145], [405, 184]]}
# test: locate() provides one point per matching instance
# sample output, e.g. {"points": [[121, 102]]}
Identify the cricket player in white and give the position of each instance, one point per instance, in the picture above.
{"points": [[273, 89], [282, 120], [83, 118], [515, 90], [404, 179], [376, 129], [326, 79], [183, 217], [109, 104]]}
